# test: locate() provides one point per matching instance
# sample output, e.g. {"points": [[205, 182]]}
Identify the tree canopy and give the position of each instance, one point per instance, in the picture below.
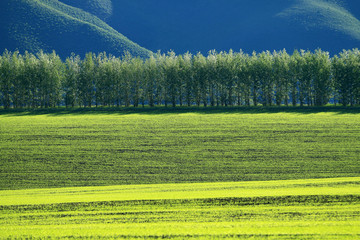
{"points": [[217, 79]]}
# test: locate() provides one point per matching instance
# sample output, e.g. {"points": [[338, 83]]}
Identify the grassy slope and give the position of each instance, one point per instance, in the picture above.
{"points": [[309, 209], [100, 8], [32, 24], [91, 148], [324, 14]]}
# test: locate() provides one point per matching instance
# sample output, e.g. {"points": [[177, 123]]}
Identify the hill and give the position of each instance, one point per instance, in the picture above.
{"points": [[196, 25], [190, 25], [49, 24], [100, 8]]}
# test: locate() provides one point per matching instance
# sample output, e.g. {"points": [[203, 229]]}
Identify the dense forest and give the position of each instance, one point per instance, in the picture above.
{"points": [[219, 79]]}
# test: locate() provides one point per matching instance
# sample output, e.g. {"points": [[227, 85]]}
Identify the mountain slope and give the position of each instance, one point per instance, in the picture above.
{"points": [[188, 25], [198, 25], [100, 8], [49, 24], [318, 14]]}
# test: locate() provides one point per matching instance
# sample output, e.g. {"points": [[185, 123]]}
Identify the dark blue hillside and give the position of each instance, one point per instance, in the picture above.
{"points": [[100, 8], [31, 25], [189, 25], [202, 25]]}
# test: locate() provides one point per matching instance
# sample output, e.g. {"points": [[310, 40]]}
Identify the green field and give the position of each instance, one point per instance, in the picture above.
{"points": [[306, 209], [273, 173], [113, 147]]}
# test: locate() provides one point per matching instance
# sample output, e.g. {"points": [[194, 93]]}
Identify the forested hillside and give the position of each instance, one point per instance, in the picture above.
{"points": [[31, 25]]}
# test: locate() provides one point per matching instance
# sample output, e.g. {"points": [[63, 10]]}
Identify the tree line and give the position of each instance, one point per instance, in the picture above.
{"points": [[218, 79]]}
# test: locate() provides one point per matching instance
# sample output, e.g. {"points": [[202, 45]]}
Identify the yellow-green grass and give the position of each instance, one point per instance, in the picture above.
{"points": [[180, 174], [66, 148], [326, 186], [290, 209]]}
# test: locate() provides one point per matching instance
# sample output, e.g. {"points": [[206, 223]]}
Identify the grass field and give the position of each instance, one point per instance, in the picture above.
{"points": [[252, 173], [290, 209], [92, 148]]}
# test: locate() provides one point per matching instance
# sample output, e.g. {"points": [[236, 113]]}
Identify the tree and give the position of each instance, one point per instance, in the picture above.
{"points": [[6, 79], [294, 75], [18, 81], [305, 78], [346, 73], [265, 75], [50, 75], [200, 82], [213, 78], [71, 81], [282, 77], [186, 77], [225, 78], [87, 80], [105, 80], [136, 79], [321, 71], [244, 77], [151, 76], [356, 91], [229, 77], [173, 83], [117, 80], [254, 76]]}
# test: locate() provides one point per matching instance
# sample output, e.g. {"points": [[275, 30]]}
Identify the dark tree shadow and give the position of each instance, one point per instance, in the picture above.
{"points": [[178, 110]]}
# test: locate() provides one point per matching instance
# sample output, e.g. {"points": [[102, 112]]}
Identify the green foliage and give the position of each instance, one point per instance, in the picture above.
{"points": [[346, 72], [50, 74], [87, 81], [70, 84], [32, 81], [218, 79], [321, 72]]}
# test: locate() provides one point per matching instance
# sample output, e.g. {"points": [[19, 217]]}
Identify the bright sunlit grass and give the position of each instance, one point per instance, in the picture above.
{"points": [[311, 209], [180, 174]]}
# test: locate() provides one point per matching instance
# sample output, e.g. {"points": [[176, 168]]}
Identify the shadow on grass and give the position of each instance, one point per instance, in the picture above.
{"points": [[241, 201], [179, 110]]}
